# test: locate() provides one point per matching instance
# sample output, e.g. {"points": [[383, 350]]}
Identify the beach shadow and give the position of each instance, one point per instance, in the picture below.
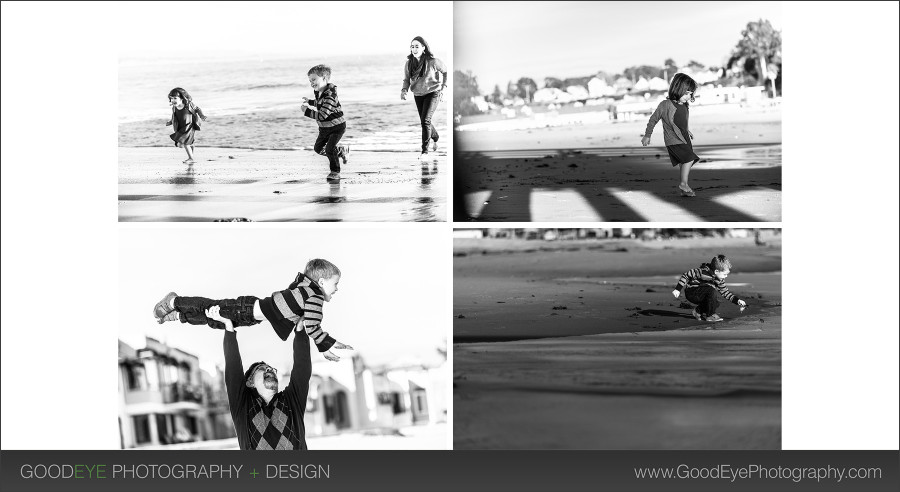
{"points": [[510, 199], [667, 314]]}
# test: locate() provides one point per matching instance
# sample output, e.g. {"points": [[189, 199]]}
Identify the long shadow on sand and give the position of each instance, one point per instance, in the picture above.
{"points": [[660, 312], [602, 179]]}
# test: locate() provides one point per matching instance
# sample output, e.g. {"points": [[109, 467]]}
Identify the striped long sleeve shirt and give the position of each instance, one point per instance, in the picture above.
{"points": [[298, 307], [328, 111], [705, 275]]}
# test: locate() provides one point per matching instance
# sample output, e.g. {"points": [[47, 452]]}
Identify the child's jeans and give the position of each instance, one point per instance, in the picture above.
{"points": [[427, 105], [705, 297], [326, 144], [239, 311]]}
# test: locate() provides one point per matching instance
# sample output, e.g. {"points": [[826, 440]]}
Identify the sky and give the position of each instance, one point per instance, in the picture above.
{"points": [[187, 29], [503, 41], [390, 303]]}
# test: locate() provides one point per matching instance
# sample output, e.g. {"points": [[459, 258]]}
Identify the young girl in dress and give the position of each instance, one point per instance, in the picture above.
{"points": [[184, 121], [673, 111]]}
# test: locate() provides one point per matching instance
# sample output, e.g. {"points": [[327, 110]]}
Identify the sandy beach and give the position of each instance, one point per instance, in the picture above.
{"points": [[600, 172], [587, 349], [278, 185]]}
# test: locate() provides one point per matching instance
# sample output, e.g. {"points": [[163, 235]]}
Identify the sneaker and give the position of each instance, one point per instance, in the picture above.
{"points": [[434, 145], [162, 307], [343, 150], [714, 318], [334, 176], [172, 316], [696, 315]]}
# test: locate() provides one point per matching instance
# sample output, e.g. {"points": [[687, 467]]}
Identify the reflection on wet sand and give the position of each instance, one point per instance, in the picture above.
{"points": [[271, 185]]}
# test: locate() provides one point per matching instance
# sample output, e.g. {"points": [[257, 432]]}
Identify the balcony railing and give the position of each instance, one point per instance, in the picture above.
{"points": [[177, 392]]}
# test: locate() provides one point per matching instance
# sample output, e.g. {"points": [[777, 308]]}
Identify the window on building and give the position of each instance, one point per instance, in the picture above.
{"points": [[136, 377], [141, 428], [420, 403], [191, 422], [328, 403], [397, 403], [184, 373]]}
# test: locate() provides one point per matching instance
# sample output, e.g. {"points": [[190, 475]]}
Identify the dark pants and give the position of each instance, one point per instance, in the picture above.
{"points": [[326, 144], [427, 105], [239, 311], [705, 297]]}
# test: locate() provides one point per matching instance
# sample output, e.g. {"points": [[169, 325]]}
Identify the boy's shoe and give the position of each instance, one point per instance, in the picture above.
{"points": [[696, 315], [343, 150], [162, 307], [172, 316], [434, 145], [334, 176], [714, 318]]}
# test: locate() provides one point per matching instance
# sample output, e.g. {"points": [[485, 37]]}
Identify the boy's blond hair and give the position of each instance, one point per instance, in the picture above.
{"points": [[318, 268], [323, 71], [720, 263]]}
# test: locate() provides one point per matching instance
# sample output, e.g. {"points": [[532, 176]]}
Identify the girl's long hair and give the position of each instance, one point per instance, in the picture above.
{"points": [[422, 62], [681, 83], [183, 94]]}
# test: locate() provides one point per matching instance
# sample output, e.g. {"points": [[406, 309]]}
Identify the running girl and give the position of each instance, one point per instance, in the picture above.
{"points": [[673, 111], [184, 121]]}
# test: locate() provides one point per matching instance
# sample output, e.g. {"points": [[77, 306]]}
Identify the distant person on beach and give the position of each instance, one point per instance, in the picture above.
{"points": [[700, 286], [673, 111], [184, 121], [265, 418], [326, 110], [300, 305], [426, 76]]}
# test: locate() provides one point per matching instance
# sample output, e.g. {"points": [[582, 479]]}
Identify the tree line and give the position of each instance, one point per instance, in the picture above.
{"points": [[757, 56]]}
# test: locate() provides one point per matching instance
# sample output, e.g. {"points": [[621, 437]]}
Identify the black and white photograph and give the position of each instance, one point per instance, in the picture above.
{"points": [[618, 111], [617, 338], [281, 339], [294, 111], [449, 245]]}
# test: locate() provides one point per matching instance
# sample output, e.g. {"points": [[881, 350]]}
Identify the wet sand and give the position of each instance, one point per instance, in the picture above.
{"points": [[570, 350], [733, 184], [278, 185], [600, 172]]}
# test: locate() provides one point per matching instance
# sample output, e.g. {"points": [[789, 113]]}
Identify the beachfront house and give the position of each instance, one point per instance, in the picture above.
{"points": [[162, 399], [349, 396]]}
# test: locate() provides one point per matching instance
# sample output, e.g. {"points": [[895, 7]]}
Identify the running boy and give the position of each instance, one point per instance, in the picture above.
{"points": [[326, 110], [301, 302], [701, 284]]}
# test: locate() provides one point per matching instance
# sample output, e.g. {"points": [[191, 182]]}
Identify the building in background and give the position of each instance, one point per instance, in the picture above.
{"points": [[349, 396], [164, 397]]}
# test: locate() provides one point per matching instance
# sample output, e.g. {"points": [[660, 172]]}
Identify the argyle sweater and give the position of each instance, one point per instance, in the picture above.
{"points": [[328, 109], [278, 424], [298, 305], [705, 275]]}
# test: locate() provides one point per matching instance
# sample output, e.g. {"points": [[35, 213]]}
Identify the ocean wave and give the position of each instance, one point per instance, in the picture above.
{"points": [[252, 87]]}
